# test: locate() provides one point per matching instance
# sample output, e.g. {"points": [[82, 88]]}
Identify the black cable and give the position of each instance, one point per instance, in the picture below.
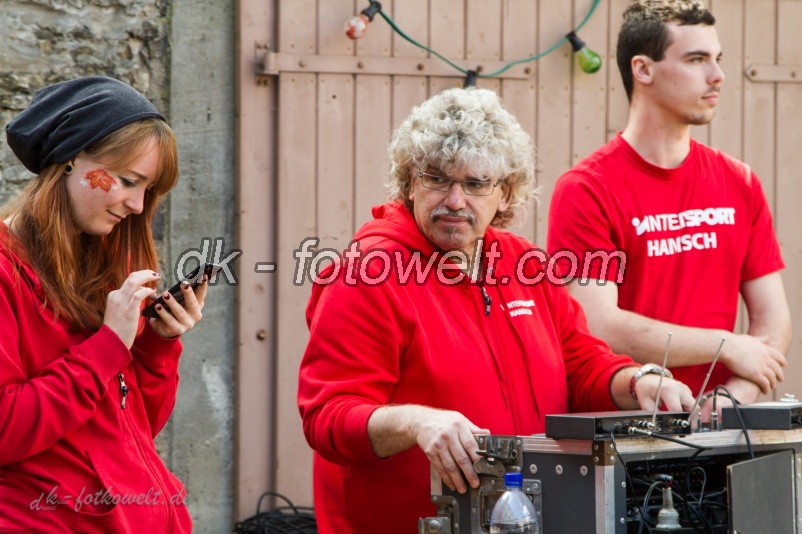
{"points": [[736, 407], [629, 480], [646, 504], [680, 504], [289, 519], [699, 449], [697, 508], [689, 507]]}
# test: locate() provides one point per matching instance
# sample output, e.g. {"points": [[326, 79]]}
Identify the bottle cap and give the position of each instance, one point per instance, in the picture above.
{"points": [[514, 480]]}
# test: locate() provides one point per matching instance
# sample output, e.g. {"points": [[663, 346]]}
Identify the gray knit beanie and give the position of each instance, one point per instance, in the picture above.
{"points": [[67, 117]]}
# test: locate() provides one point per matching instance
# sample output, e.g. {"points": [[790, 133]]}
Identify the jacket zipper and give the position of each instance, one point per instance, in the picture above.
{"points": [[123, 389], [487, 334], [488, 301], [132, 430]]}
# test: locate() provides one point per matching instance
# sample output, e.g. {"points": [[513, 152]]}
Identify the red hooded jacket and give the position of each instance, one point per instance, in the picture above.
{"points": [[504, 362], [71, 458]]}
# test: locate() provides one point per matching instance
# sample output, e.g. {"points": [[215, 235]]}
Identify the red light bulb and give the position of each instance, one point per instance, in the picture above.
{"points": [[356, 27]]}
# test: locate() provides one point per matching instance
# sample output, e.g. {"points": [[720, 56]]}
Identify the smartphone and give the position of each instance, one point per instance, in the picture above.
{"points": [[194, 278]]}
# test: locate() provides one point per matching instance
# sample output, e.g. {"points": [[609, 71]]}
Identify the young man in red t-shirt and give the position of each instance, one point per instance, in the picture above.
{"points": [[692, 222]]}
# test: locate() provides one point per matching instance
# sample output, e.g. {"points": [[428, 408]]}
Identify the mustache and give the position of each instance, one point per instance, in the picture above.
{"points": [[443, 211]]}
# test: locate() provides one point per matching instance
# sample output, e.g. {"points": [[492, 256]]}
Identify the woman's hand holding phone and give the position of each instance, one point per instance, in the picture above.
{"points": [[180, 318], [179, 308], [175, 312]]}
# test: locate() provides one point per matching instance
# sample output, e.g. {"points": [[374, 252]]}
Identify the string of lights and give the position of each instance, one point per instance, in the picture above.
{"points": [[589, 61]]}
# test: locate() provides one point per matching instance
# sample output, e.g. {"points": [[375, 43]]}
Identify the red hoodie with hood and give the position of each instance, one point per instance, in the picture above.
{"points": [[71, 458], [502, 351]]}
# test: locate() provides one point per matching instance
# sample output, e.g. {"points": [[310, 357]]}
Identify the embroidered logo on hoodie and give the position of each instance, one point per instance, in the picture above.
{"points": [[519, 307]]}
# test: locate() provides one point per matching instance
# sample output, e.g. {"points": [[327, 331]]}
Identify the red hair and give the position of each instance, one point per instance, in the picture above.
{"points": [[77, 270]]}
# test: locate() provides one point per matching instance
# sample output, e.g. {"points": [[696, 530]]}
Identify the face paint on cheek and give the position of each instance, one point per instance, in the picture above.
{"points": [[99, 178]]}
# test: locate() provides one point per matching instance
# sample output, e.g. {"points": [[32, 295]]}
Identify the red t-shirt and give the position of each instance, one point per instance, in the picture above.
{"points": [[690, 235]]}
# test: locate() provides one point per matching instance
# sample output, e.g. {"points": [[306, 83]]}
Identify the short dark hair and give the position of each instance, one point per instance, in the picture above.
{"points": [[644, 30]]}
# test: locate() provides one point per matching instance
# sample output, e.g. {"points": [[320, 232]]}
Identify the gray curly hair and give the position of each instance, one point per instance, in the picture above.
{"points": [[465, 129]]}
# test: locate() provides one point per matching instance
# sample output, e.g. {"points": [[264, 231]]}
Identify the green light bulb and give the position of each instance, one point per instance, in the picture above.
{"points": [[589, 61]]}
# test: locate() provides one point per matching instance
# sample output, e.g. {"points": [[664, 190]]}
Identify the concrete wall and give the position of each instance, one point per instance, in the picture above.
{"points": [[180, 54], [202, 207]]}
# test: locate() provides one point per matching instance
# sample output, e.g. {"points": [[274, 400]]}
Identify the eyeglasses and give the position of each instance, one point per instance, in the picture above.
{"points": [[479, 188]]}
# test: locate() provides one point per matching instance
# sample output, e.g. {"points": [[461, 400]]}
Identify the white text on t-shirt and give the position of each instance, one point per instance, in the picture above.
{"points": [[685, 219]]}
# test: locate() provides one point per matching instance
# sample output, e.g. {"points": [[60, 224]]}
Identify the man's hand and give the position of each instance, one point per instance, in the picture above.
{"points": [[447, 440], [446, 437], [745, 391], [750, 357], [757, 356], [675, 395]]}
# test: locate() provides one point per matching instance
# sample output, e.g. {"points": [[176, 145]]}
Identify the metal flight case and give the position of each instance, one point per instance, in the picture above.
{"points": [[601, 484]]}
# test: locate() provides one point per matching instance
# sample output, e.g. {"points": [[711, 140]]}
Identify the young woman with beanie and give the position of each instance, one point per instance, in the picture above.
{"points": [[86, 383]]}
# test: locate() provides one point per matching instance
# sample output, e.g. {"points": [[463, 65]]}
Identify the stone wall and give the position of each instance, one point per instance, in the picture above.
{"points": [[179, 53], [46, 41]]}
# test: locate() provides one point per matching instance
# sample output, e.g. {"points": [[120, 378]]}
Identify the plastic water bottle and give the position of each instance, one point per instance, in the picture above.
{"points": [[514, 512]]}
